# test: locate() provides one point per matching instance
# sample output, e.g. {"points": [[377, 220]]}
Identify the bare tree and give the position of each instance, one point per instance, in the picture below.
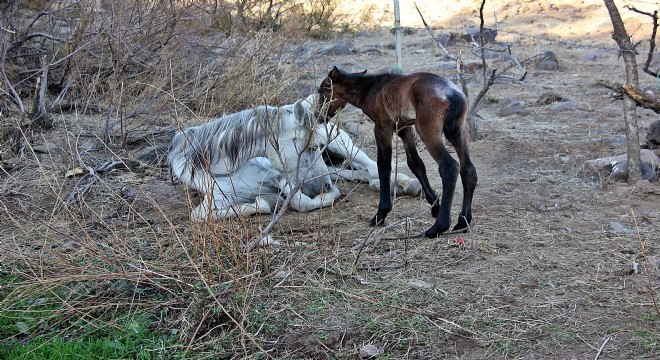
{"points": [[629, 106], [489, 76]]}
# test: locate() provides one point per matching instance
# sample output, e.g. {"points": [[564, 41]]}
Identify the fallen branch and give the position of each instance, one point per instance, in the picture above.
{"points": [[641, 98]]}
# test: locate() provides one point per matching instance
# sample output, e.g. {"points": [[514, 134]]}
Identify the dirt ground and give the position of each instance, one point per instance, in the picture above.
{"points": [[551, 269]]}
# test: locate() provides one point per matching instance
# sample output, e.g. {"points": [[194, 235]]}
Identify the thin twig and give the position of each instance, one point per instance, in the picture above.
{"points": [[602, 347], [646, 265]]}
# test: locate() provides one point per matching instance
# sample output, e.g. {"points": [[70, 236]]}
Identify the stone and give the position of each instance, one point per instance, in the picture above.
{"points": [[337, 49], [369, 352], [420, 284], [590, 57], [445, 39], [653, 135], [549, 98], [88, 146], [564, 106], [616, 167], [548, 65], [511, 106], [45, 148], [549, 56], [615, 141]]}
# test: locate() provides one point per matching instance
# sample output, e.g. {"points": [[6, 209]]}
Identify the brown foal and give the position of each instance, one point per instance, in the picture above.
{"points": [[396, 102]]}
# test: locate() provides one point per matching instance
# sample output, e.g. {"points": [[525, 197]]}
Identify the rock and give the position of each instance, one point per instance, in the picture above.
{"points": [[564, 106], [590, 57], [512, 106], [447, 66], [337, 49], [472, 35], [620, 171], [617, 166], [88, 146], [615, 141], [549, 56], [490, 54], [473, 67], [153, 155], [445, 39], [46, 148], [369, 352], [618, 228], [420, 284], [549, 98], [129, 192], [371, 50], [653, 135], [413, 188], [584, 106], [548, 65]]}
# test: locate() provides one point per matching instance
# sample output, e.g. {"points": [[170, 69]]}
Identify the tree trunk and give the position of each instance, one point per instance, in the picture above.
{"points": [[629, 106]]}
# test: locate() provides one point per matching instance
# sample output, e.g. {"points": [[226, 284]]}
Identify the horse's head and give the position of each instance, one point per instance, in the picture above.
{"points": [[334, 93], [297, 152]]}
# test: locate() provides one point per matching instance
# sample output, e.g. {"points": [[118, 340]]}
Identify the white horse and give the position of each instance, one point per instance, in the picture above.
{"points": [[245, 162], [242, 162]]}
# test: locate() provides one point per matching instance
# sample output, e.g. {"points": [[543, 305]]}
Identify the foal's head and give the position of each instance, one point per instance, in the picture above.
{"points": [[334, 92]]}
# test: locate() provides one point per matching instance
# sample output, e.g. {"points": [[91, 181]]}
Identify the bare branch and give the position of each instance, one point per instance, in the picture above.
{"points": [[437, 41], [654, 32]]}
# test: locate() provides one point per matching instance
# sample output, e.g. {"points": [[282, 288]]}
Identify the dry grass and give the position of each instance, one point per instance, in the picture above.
{"points": [[553, 283]]}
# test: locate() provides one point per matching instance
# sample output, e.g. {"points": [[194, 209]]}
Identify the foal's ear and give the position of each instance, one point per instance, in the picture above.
{"points": [[334, 73], [363, 73]]}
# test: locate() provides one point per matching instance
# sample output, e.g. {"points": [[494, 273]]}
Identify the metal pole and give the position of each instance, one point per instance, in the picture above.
{"points": [[397, 32]]}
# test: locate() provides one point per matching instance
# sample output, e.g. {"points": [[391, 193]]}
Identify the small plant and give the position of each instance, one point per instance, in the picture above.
{"points": [[490, 99]]}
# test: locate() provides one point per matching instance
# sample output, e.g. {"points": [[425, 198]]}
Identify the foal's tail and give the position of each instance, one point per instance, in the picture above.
{"points": [[455, 124]]}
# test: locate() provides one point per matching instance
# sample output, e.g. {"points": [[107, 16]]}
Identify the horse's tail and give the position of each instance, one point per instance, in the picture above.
{"points": [[182, 159], [455, 124]]}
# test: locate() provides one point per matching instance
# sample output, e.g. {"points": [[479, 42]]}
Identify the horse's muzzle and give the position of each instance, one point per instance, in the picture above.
{"points": [[321, 118], [317, 186]]}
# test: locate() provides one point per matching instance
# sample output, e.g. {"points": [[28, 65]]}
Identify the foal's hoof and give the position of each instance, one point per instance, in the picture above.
{"points": [[434, 231], [376, 223], [462, 224]]}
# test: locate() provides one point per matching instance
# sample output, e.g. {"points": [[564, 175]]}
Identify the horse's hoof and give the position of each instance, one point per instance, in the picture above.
{"points": [[376, 223], [462, 224], [434, 231]]}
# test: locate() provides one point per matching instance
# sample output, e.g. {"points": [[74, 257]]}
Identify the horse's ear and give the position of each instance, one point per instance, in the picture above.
{"points": [[334, 73], [363, 73], [299, 110]]}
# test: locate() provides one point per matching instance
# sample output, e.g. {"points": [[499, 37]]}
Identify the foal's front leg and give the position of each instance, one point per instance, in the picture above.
{"points": [[384, 160]]}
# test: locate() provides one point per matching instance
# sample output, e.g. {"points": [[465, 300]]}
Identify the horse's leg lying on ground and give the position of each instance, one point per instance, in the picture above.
{"points": [[339, 143], [303, 203], [468, 178], [252, 189], [383, 134]]}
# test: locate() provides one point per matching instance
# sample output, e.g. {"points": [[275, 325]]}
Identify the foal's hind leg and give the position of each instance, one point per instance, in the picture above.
{"points": [[448, 169], [416, 165], [468, 178]]}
